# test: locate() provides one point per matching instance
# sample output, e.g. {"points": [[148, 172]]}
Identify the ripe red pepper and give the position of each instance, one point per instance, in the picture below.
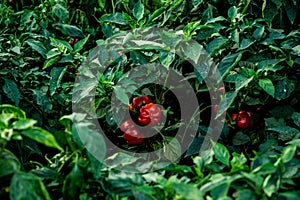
{"points": [[216, 108], [131, 134], [127, 125], [244, 119], [138, 102], [133, 137], [150, 113], [244, 122], [221, 89], [234, 117]]}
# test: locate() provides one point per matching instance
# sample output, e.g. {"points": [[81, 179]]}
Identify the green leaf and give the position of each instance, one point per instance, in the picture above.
{"points": [[246, 194], [228, 63], [95, 165], [61, 12], [24, 124], [282, 111], [285, 132], [92, 140], [288, 153], [226, 102], [138, 10], [289, 195], [27, 186], [269, 65], [53, 53], [121, 94], [37, 46], [157, 13], [238, 162], [16, 49], [232, 12], [119, 160], [5, 119], [267, 86], [271, 184], [220, 192], [245, 44], [67, 58], [269, 10], [258, 33], [79, 45], [195, 146], [42, 100], [291, 10], [56, 74], [146, 45], [9, 163], [274, 122], [42, 136], [215, 45], [221, 153], [172, 150], [197, 56], [17, 112], [217, 180], [208, 13], [121, 183], [10, 88], [240, 138], [50, 62], [187, 191], [69, 30], [296, 118], [265, 168], [284, 89], [166, 58], [72, 183], [296, 50], [242, 81], [60, 44], [116, 18], [208, 30]]}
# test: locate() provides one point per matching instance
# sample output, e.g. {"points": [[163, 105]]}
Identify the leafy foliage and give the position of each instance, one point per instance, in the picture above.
{"points": [[45, 45]]}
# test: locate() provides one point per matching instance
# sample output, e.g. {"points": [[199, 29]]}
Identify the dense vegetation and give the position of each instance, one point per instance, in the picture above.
{"points": [[82, 81]]}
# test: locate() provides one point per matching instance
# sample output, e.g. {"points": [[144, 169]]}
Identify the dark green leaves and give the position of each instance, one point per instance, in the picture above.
{"points": [[284, 88], [267, 85], [9, 163], [27, 186], [24, 124], [114, 18], [42, 136], [69, 30], [17, 112], [228, 63], [246, 43], [57, 74], [73, 183], [286, 133], [138, 11], [37, 46], [221, 153], [172, 150], [232, 12], [187, 191], [90, 138], [61, 12], [10, 88], [292, 8], [122, 95]]}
